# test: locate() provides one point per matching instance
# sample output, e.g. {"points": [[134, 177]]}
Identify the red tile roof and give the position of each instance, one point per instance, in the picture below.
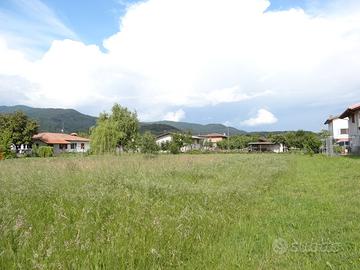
{"points": [[349, 111], [58, 138], [355, 106]]}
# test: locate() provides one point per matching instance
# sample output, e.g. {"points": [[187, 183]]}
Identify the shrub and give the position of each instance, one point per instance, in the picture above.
{"points": [[309, 150], [338, 149], [45, 151], [174, 148], [165, 146], [148, 144], [34, 150], [6, 153]]}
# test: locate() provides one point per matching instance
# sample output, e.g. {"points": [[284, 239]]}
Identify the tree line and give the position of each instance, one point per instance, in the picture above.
{"points": [[118, 131], [302, 140]]}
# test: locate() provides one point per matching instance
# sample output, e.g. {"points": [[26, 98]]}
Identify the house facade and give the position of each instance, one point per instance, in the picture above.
{"points": [[214, 138], [353, 115], [266, 146], [196, 144], [339, 130], [164, 138], [61, 142], [168, 137]]}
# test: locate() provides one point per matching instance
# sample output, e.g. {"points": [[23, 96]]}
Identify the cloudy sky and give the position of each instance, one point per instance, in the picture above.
{"points": [[252, 64]]}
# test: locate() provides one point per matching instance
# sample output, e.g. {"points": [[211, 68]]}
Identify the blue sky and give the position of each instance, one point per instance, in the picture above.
{"points": [[249, 64], [95, 20]]}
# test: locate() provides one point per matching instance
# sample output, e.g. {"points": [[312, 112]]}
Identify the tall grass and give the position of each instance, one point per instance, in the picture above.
{"points": [[186, 211]]}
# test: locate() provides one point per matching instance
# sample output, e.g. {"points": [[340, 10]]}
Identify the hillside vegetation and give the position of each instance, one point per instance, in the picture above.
{"points": [[185, 212], [54, 120], [202, 129], [69, 120]]}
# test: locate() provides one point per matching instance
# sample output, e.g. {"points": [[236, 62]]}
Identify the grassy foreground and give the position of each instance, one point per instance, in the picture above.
{"points": [[187, 211]]}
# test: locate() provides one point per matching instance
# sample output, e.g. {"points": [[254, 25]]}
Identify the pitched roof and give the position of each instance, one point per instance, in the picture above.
{"points": [[330, 119], [262, 143], [58, 138], [349, 111], [211, 135], [163, 135]]}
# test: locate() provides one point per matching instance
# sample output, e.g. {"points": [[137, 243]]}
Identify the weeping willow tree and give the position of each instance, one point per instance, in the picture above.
{"points": [[116, 130]]}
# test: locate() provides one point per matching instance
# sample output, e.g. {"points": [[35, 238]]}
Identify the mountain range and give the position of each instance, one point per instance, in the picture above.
{"points": [[70, 120]]}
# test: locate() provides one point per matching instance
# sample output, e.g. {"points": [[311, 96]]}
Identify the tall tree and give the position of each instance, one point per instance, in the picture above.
{"points": [[118, 129], [15, 129], [19, 126]]}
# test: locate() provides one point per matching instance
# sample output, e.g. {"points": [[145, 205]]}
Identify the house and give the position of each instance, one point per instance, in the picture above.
{"points": [[197, 143], [264, 145], [213, 138], [164, 138], [62, 142], [353, 115], [168, 137], [339, 130]]}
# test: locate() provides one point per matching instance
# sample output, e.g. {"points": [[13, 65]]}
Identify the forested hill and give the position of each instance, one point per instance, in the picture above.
{"points": [[54, 120], [202, 129]]}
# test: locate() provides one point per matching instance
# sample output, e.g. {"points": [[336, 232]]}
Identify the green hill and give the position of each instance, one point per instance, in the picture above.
{"points": [[202, 129], [157, 129], [54, 120]]}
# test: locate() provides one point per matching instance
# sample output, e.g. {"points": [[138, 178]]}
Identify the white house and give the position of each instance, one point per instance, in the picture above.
{"points": [[164, 138], [264, 145], [168, 137], [62, 142], [339, 130], [353, 115]]}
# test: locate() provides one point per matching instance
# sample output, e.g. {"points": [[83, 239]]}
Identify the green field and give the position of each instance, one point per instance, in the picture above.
{"points": [[220, 211]]}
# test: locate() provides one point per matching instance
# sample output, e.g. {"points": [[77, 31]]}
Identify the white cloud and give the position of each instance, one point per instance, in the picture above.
{"points": [[186, 53], [263, 117], [175, 116]]}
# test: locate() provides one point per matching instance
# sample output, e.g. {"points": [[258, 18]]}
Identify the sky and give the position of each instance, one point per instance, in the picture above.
{"points": [[252, 64]]}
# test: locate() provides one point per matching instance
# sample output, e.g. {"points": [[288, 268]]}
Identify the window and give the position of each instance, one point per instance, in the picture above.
{"points": [[353, 118], [63, 146], [83, 146], [344, 131], [73, 146]]}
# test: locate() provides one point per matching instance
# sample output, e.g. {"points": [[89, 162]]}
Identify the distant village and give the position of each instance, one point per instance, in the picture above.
{"points": [[342, 138]]}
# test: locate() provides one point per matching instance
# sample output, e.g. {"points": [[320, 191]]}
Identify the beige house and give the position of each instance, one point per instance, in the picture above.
{"points": [[213, 138]]}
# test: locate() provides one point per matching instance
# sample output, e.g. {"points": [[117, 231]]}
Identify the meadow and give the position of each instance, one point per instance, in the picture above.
{"points": [[215, 211]]}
